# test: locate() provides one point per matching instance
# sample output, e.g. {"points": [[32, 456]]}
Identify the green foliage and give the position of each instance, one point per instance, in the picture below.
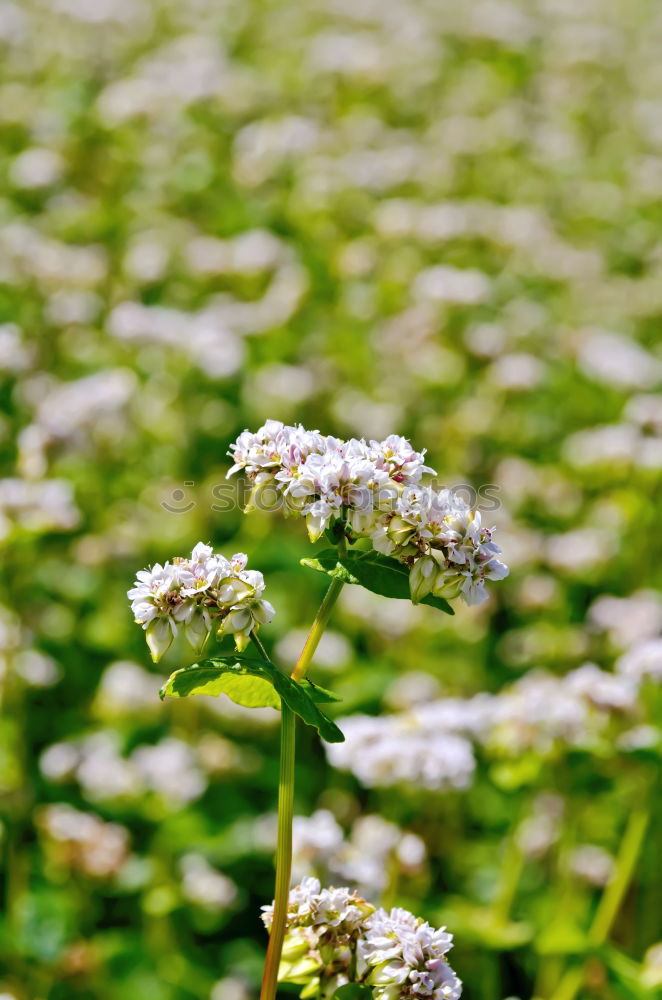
{"points": [[353, 991], [254, 683], [245, 681], [376, 572], [242, 214]]}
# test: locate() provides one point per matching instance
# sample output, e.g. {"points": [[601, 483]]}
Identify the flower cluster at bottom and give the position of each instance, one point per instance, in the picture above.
{"points": [[335, 937]]}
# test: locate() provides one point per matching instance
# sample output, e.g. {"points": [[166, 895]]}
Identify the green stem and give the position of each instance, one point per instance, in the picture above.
{"points": [[317, 629], [611, 900], [283, 854], [286, 797], [512, 867]]}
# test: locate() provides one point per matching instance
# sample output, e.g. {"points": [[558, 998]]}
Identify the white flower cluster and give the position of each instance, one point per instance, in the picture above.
{"points": [[41, 505], [405, 957], [401, 749], [335, 937], [375, 851], [432, 744], [204, 886], [83, 841], [198, 594], [170, 769], [373, 488]]}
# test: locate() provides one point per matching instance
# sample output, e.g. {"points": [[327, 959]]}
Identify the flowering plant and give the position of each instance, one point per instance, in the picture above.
{"points": [[335, 938], [392, 534], [372, 491], [198, 594]]}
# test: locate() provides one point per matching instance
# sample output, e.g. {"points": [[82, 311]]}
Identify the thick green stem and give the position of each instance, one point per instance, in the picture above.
{"points": [[611, 900], [283, 853], [286, 798]]}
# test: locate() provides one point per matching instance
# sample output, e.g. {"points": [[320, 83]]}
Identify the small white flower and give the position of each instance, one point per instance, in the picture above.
{"points": [[198, 593], [375, 490]]}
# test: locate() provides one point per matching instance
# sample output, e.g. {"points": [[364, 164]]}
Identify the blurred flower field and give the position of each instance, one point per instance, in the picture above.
{"points": [[428, 218]]}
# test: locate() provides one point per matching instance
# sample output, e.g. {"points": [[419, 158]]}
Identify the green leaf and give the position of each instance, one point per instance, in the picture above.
{"points": [[241, 678], [297, 698], [327, 562], [320, 695], [373, 571], [254, 683], [353, 991], [562, 938]]}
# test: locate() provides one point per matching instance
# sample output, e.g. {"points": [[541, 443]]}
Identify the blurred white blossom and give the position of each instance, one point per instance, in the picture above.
{"points": [[203, 885]]}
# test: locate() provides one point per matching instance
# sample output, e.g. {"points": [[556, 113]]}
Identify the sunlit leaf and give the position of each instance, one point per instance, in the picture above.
{"points": [[320, 695], [254, 683], [373, 571], [327, 562]]}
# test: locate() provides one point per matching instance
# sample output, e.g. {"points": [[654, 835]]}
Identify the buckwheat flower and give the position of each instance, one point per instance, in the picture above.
{"points": [[198, 594], [365, 860], [84, 841], [204, 885], [375, 490], [255, 452], [323, 927], [159, 605], [334, 937], [449, 553], [389, 750], [404, 464], [402, 956], [642, 661]]}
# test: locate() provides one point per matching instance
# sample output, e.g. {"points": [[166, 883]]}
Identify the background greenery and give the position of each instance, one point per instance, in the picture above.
{"points": [[370, 216]]}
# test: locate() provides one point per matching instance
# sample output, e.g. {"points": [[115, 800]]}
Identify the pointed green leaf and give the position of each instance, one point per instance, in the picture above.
{"points": [[254, 683], [353, 991], [240, 678], [374, 571], [320, 695], [300, 701], [327, 562]]}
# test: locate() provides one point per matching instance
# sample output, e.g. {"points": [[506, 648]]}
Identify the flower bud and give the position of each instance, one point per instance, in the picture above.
{"points": [[233, 589], [298, 972], [421, 578], [399, 531], [316, 525], [197, 632], [265, 494], [312, 990], [390, 992], [295, 946], [448, 584], [263, 612], [159, 636], [388, 973], [293, 506], [238, 623], [362, 522]]}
